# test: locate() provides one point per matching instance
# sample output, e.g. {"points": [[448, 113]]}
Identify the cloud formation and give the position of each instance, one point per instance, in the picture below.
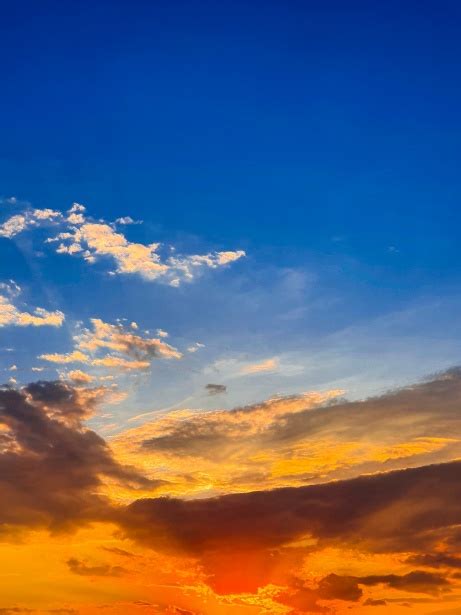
{"points": [[31, 218], [103, 570], [11, 315], [215, 389], [300, 439], [114, 346], [268, 365], [365, 542], [50, 464], [94, 240]]}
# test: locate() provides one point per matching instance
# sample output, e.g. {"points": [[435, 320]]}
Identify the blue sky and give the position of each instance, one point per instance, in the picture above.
{"points": [[323, 140]]}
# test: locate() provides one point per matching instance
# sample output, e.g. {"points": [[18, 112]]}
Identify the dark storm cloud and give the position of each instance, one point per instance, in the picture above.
{"points": [[398, 511], [417, 581], [50, 465], [349, 589], [305, 599], [435, 560]]}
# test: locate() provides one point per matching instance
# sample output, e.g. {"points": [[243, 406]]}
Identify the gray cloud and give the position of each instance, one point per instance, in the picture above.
{"points": [[216, 389]]}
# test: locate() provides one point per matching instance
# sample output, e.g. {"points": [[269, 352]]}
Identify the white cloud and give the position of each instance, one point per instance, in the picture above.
{"points": [[195, 347], [10, 314], [30, 218], [95, 240], [127, 220]]}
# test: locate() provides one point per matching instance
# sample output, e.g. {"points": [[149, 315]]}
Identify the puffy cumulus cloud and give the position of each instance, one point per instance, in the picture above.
{"points": [[51, 466], [301, 439], [79, 377], [10, 314], [94, 240], [30, 218], [70, 357], [104, 336], [120, 348]]}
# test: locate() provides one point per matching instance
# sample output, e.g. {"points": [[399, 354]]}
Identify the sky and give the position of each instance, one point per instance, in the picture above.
{"points": [[229, 308]]}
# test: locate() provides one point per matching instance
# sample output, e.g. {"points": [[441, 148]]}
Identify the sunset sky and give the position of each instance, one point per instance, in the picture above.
{"points": [[230, 300]]}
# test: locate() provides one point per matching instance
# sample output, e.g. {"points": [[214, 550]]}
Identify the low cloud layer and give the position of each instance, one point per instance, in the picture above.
{"points": [[372, 540], [300, 439]]}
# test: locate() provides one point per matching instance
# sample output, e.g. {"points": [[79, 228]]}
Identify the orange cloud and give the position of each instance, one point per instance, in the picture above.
{"points": [[12, 315], [345, 546], [269, 365]]}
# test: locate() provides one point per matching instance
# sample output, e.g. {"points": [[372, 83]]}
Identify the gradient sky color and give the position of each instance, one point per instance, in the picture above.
{"points": [[229, 308]]}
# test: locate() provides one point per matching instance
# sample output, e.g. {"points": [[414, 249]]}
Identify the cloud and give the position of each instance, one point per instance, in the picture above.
{"points": [[261, 545], [301, 439], [72, 357], [113, 337], [79, 377], [103, 570], [119, 552], [51, 466], [215, 389], [29, 219], [127, 220], [435, 560], [99, 240], [269, 365], [347, 588], [120, 348], [194, 347], [359, 511], [258, 532], [11, 315]]}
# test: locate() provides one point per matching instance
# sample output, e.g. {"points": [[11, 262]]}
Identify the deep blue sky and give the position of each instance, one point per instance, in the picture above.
{"points": [[283, 123], [318, 136]]}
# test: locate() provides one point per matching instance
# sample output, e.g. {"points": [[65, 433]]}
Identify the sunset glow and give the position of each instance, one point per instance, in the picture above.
{"points": [[230, 300]]}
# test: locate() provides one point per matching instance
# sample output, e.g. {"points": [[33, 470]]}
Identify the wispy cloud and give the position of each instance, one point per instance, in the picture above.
{"points": [[268, 365]]}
